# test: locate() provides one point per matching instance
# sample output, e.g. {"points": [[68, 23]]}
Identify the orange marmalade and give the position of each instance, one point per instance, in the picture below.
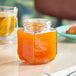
{"points": [[37, 47]]}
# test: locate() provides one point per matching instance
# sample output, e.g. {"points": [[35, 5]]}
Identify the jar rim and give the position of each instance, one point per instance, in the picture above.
{"points": [[7, 7], [37, 20]]}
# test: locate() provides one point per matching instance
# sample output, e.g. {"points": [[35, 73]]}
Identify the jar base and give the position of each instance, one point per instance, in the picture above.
{"points": [[38, 63]]}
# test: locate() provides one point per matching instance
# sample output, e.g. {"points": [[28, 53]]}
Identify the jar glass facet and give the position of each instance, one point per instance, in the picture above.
{"points": [[37, 42]]}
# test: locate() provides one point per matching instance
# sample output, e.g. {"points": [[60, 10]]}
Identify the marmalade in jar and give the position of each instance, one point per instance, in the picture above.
{"points": [[36, 44]]}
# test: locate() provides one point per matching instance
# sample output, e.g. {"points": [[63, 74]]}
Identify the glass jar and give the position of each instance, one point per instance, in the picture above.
{"points": [[8, 23], [37, 41]]}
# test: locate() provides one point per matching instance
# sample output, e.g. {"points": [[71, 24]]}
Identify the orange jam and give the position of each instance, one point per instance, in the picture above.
{"points": [[7, 23], [37, 48]]}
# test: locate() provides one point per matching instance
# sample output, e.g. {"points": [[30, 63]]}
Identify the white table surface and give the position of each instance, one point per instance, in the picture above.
{"points": [[11, 66]]}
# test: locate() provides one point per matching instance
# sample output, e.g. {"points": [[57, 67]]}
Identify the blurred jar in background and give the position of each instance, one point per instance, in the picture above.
{"points": [[8, 22]]}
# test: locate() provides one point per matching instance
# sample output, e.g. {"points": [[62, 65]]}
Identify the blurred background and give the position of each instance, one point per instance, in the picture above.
{"points": [[27, 10]]}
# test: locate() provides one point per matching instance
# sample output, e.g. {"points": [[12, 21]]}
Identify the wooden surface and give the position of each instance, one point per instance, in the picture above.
{"points": [[11, 66]]}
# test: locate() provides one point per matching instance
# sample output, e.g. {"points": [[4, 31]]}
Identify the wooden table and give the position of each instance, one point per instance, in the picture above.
{"points": [[11, 66]]}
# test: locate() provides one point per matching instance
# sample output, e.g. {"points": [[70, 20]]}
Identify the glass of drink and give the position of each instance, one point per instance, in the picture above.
{"points": [[8, 23], [37, 41]]}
